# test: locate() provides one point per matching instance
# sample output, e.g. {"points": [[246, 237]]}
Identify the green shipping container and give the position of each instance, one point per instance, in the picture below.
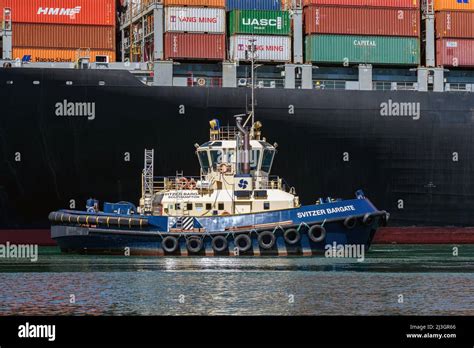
{"points": [[259, 22], [362, 49]]}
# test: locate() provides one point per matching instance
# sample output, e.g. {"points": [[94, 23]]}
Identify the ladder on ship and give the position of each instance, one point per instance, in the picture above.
{"points": [[147, 181]]}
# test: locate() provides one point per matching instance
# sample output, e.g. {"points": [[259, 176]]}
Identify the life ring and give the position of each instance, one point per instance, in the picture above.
{"points": [[219, 244], [350, 222], [191, 184], [317, 233], [201, 82], [169, 244], [194, 244], [243, 242], [292, 236], [225, 213], [368, 219], [223, 168], [181, 183], [266, 240]]}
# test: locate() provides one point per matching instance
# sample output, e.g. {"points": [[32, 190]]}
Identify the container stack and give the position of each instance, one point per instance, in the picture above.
{"points": [[52, 31], [362, 31], [264, 22], [454, 22], [195, 30]]}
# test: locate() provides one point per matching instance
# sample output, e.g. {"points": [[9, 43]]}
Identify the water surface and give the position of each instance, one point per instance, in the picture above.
{"points": [[416, 280]]}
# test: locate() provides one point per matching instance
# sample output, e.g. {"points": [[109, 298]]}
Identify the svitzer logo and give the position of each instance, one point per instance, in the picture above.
{"points": [[57, 11]]}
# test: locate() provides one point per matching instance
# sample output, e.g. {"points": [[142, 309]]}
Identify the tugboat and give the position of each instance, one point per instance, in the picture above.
{"points": [[234, 208]]}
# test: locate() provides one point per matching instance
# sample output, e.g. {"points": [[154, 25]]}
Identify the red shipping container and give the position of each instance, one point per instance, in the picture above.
{"points": [[63, 36], [369, 3], [195, 46], [455, 52], [361, 21], [89, 12], [459, 24]]}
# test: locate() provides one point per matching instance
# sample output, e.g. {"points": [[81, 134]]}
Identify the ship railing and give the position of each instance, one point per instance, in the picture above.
{"points": [[394, 86], [329, 84], [224, 133], [165, 183], [269, 83], [458, 87], [271, 182]]}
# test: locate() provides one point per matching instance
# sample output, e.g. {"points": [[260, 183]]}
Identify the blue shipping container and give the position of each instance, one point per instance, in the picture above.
{"points": [[253, 5]]}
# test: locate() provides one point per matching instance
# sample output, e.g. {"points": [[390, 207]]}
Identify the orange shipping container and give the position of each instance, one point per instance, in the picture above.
{"points": [[440, 5], [63, 36], [59, 55], [89, 12], [207, 3]]}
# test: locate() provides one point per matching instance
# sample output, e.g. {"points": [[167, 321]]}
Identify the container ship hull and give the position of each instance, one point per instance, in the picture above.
{"points": [[67, 133]]}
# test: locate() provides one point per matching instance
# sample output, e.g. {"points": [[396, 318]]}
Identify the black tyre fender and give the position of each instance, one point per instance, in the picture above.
{"points": [[287, 234], [215, 245], [241, 238], [261, 240], [350, 222], [194, 244], [169, 244], [317, 233], [368, 219]]}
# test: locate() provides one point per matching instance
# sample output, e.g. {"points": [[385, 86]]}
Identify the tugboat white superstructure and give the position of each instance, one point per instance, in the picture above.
{"points": [[235, 207]]}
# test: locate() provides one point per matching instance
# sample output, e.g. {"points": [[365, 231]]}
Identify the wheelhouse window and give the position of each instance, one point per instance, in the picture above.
{"points": [[267, 160], [216, 158], [204, 161], [254, 159]]}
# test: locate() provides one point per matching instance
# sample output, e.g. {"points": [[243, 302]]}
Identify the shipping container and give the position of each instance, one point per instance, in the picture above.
{"points": [[195, 46], [195, 3], [455, 24], [366, 3], [195, 19], [260, 22], [274, 5], [344, 49], [58, 55], [63, 36], [361, 21], [458, 5], [88, 12], [455, 52], [268, 48]]}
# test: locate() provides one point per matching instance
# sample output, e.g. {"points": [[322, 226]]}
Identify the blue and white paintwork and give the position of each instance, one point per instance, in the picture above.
{"points": [[343, 222]]}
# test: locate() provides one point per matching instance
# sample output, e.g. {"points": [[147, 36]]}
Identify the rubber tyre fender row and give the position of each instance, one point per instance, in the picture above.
{"points": [[169, 244], [266, 240], [317, 233], [243, 242], [219, 244], [194, 244], [292, 236], [350, 222]]}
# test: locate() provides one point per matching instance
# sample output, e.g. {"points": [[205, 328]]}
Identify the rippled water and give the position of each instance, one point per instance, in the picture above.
{"points": [[431, 280]]}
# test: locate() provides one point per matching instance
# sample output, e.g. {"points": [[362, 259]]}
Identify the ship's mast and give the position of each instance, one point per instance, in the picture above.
{"points": [[252, 57]]}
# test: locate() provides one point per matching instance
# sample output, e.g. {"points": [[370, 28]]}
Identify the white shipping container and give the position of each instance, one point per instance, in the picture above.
{"points": [[195, 19], [268, 48]]}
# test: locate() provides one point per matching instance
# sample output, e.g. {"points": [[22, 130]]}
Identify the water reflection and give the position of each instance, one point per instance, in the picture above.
{"points": [[432, 282]]}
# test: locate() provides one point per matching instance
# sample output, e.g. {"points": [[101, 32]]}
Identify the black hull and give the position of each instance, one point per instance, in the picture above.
{"points": [[393, 159]]}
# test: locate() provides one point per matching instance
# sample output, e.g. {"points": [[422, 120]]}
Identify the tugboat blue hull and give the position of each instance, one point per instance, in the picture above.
{"points": [[304, 231]]}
